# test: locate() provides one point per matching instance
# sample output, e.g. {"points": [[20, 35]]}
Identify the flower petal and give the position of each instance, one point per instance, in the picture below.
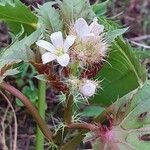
{"points": [[63, 60], [87, 37], [46, 45], [69, 42], [96, 28], [57, 39], [48, 57], [81, 27]]}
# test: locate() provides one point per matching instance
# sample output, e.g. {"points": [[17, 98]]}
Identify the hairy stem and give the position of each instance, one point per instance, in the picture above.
{"points": [[68, 109], [41, 123], [41, 109]]}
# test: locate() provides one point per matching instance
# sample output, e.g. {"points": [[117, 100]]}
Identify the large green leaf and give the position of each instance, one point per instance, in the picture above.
{"points": [[131, 122], [17, 14], [121, 73]]}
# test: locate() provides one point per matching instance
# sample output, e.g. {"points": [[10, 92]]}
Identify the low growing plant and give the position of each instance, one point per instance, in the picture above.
{"points": [[76, 50]]}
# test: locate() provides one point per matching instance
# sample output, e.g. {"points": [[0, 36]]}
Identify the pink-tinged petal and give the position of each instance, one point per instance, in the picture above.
{"points": [[46, 45], [87, 37], [81, 27], [63, 60], [57, 39], [69, 42], [48, 57], [96, 28]]}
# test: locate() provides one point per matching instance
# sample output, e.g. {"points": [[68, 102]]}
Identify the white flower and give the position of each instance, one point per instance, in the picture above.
{"points": [[88, 88], [58, 49], [83, 30]]}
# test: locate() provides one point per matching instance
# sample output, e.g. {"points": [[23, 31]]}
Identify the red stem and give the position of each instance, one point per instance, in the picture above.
{"points": [[41, 123]]}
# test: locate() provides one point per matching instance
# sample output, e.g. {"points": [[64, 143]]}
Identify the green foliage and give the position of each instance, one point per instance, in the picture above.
{"points": [[142, 54], [20, 50], [100, 8], [72, 10], [131, 123], [92, 111], [112, 35], [17, 14], [121, 73], [24, 81], [49, 17], [32, 94]]}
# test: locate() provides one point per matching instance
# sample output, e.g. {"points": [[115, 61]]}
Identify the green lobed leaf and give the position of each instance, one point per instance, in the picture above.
{"points": [[49, 17], [20, 50], [121, 73], [17, 14]]}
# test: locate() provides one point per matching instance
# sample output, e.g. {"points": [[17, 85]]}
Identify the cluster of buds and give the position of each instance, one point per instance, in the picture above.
{"points": [[84, 46]]}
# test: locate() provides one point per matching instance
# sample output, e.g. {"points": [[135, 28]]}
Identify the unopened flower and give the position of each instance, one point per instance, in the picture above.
{"points": [[88, 88], [58, 50], [84, 87], [90, 46]]}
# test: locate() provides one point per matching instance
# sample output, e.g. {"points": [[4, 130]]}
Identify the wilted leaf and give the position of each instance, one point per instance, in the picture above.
{"points": [[9, 72]]}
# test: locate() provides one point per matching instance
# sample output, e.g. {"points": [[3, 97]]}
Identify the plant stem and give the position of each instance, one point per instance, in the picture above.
{"points": [[87, 126], [41, 123], [68, 109], [41, 109]]}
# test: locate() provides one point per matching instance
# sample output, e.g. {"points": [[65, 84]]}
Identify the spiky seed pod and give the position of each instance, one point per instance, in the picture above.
{"points": [[90, 52]]}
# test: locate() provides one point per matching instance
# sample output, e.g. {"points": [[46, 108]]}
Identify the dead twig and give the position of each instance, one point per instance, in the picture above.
{"points": [[3, 137], [15, 121], [140, 45], [140, 38]]}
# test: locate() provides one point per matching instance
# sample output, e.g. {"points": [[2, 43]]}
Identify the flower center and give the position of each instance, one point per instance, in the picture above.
{"points": [[59, 51]]}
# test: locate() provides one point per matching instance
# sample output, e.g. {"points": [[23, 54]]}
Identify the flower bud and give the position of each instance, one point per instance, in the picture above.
{"points": [[88, 88]]}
